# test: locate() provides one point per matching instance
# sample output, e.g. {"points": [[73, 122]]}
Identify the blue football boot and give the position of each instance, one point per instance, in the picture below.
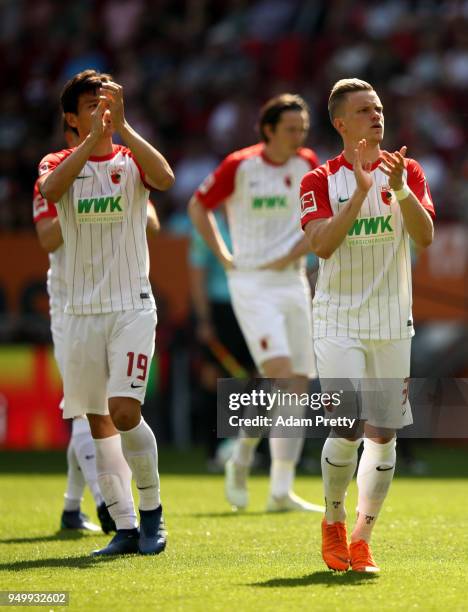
{"points": [[153, 534], [107, 522], [74, 519], [125, 542]]}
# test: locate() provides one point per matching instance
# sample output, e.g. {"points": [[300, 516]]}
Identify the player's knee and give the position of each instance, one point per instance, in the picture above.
{"points": [[382, 439], [125, 412], [101, 426]]}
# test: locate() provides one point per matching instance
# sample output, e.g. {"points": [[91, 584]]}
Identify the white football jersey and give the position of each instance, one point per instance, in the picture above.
{"points": [[103, 221], [262, 202], [56, 284], [364, 289]]}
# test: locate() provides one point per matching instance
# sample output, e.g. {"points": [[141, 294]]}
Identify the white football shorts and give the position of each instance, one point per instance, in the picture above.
{"points": [[381, 368], [56, 327], [106, 355], [274, 311]]}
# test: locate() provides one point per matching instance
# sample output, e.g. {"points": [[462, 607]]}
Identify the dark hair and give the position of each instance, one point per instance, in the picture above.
{"points": [[83, 82], [340, 90], [271, 111]]}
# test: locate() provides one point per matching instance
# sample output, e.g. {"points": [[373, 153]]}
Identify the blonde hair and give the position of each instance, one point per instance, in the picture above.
{"points": [[341, 89]]}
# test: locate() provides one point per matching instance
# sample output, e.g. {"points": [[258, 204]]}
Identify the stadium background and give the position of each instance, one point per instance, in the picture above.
{"points": [[194, 74]]}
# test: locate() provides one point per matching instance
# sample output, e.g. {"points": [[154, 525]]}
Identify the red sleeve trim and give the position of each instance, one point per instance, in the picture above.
{"points": [[310, 157], [126, 151], [42, 209], [51, 161], [418, 184], [220, 184], [315, 202]]}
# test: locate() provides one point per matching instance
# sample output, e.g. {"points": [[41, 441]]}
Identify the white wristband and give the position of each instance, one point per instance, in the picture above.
{"points": [[402, 193]]}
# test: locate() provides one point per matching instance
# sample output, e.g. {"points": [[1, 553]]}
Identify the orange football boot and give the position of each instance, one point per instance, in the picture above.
{"points": [[335, 551], [361, 557]]}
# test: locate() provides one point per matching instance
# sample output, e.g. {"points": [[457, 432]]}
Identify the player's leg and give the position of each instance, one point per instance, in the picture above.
{"points": [[75, 482], [336, 358], [130, 350], [115, 480], [258, 318], [388, 366], [375, 474], [231, 337], [72, 517], [285, 451], [294, 301], [83, 452], [85, 360]]}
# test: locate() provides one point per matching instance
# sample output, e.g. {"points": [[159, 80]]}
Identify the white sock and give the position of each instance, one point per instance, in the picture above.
{"points": [[281, 477], [285, 454], [339, 460], [374, 478], [75, 481], [85, 450], [115, 480], [244, 451], [141, 452]]}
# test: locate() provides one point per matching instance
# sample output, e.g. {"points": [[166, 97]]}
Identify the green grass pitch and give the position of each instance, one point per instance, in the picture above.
{"points": [[220, 560]]}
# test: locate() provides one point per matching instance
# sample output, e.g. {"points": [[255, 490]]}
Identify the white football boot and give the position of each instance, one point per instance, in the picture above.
{"points": [[235, 484], [291, 503]]}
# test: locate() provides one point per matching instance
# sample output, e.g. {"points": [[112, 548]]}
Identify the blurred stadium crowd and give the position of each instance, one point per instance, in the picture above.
{"points": [[196, 71]]}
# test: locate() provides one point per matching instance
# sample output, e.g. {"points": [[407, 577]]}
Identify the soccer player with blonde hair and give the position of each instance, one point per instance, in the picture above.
{"points": [[359, 211]]}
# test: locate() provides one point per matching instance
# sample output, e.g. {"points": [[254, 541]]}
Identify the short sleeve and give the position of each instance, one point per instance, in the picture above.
{"points": [[315, 202], [128, 152], [220, 184], [51, 161], [309, 156], [42, 209], [418, 184]]}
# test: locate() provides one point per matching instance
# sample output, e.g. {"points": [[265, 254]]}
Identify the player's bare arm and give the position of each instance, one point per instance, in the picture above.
{"points": [[417, 220], [201, 305], [54, 184], [300, 249], [326, 235], [207, 227], [152, 221], [49, 233], [157, 170]]}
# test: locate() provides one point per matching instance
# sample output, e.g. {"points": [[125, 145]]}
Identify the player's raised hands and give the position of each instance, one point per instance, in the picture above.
{"points": [[112, 94], [361, 167], [393, 165], [98, 122]]}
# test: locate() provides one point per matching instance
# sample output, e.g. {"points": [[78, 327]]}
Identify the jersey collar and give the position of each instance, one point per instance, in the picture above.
{"points": [[101, 158], [269, 161]]}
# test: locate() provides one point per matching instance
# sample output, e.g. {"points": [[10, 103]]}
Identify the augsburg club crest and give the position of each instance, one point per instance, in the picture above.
{"points": [[386, 194]]}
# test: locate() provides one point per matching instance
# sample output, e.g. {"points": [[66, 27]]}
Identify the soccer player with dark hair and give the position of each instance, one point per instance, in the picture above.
{"points": [[359, 211], [101, 190], [266, 273]]}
